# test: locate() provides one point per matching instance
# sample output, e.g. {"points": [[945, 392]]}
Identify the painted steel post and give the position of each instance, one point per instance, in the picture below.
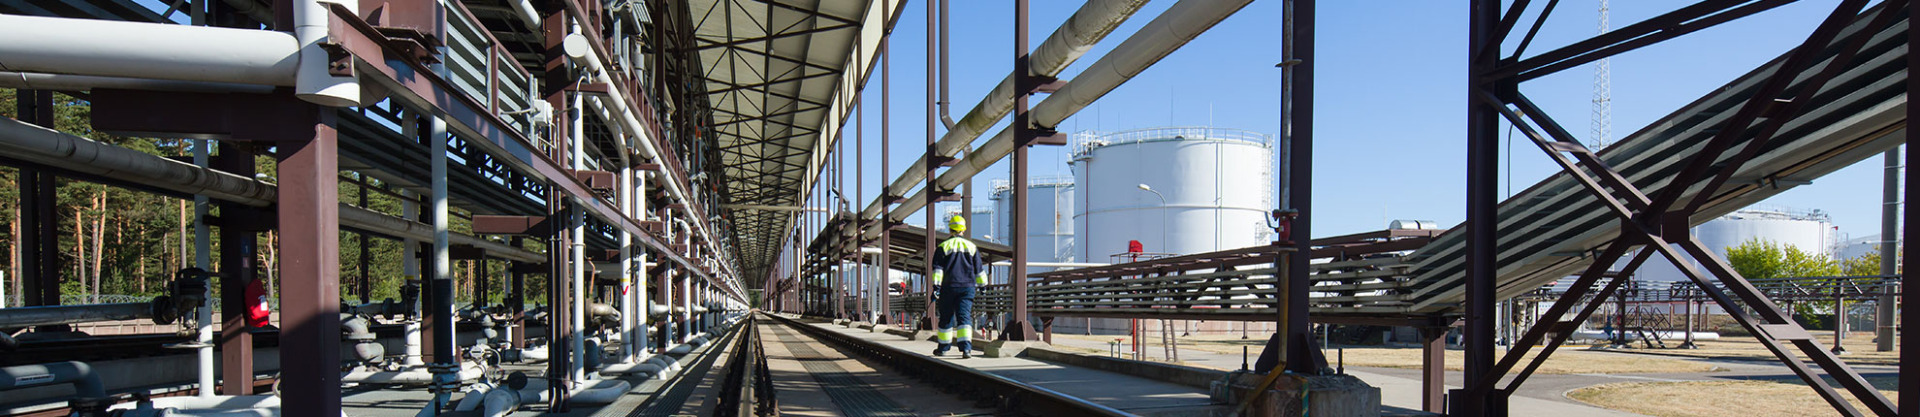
{"points": [[1483, 172], [1889, 250], [1433, 368], [445, 362], [887, 199], [39, 232], [641, 269], [1292, 342], [237, 257], [309, 205], [1909, 381], [628, 343], [1025, 84]]}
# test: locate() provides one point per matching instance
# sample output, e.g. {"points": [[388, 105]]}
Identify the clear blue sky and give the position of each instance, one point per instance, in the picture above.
{"points": [[1390, 132]]}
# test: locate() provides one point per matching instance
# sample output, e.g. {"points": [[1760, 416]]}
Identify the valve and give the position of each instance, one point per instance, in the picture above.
{"points": [[1282, 224]]}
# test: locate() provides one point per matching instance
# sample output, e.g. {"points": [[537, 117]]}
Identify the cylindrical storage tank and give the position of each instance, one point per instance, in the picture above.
{"points": [[1050, 227], [1176, 190], [1810, 231]]}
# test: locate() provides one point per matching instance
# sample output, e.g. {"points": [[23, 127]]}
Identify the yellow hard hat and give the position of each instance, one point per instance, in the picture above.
{"points": [[957, 223]]}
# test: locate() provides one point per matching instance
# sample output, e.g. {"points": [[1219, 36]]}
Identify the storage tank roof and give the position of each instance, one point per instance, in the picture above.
{"points": [[1088, 141]]}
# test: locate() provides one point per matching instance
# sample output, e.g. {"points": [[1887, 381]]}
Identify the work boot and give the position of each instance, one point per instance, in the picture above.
{"points": [[966, 354], [939, 352]]}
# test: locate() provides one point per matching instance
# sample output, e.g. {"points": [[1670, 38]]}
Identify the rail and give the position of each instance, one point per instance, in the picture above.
{"points": [[749, 386], [481, 67], [1006, 395]]}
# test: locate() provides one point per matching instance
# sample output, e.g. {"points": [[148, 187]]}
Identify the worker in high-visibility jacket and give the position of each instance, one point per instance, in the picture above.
{"points": [[958, 258]]}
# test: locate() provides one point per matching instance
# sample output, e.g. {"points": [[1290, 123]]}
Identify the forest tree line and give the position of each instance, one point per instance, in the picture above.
{"points": [[116, 240]]}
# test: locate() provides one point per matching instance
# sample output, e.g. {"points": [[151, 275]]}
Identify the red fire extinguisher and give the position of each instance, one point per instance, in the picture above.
{"points": [[257, 310]]}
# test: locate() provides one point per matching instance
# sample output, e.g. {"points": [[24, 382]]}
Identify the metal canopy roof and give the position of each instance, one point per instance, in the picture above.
{"points": [[781, 77]]}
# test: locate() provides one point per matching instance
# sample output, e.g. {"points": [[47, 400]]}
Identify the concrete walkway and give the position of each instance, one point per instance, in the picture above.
{"points": [[1134, 394]]}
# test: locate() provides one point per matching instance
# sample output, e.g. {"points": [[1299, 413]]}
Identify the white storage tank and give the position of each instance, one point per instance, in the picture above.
{"points": [[1810, 231], [1178, 190], [1050, 227]]}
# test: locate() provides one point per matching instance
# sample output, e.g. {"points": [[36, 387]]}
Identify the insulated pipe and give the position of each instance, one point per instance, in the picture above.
{"points": [[49, 147], [86, 384], [409, 264], [313, 78], [526, 13], [73, 314], [576, 322], [411, 376], [1088, 25], [69, 82], [360, 218], [581, 51], [628, 346], [44, 146], [148, 50], [1166, 33], [203, 259]]}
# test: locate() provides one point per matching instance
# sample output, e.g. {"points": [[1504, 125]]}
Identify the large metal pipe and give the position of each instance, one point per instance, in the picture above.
{"points": [[314, 80], [69, 82], [360, 218], [1088, 25], [73, 314], [581, 51], [148, 50], [49, 147], [86, 384], [44, 146], [1168, 32]]}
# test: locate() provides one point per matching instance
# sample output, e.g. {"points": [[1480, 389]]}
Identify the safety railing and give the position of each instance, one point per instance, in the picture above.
{"points": [[482, 68], [1083, 143]]}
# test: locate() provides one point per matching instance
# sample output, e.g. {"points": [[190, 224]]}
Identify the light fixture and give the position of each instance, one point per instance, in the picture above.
{"points": [[1145, 187]]}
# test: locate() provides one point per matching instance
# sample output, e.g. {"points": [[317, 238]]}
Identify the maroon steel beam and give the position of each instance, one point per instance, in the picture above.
{"points": [[39, 232], [1762, 102], [1655, 30], [1483, 172], [1433, 368], [934, 161], [310, 270], [1023, 135], [887, 199], [237, 257], [411, 82], [1909, 379], [1298, 99]]}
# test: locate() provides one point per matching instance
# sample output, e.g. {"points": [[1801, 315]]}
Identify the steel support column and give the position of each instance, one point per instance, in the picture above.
{"points": [[39, 250], [310, 270], [1909, 380], [885, 292], [1662, 224], [445, 362], [238, 242], [1884, 309], [1301, 353], [1483, 173], [1023, 133], [1433, 368]]}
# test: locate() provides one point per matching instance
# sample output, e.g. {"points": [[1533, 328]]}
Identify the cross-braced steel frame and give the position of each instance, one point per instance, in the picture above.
{"points": [[1652, 221]]}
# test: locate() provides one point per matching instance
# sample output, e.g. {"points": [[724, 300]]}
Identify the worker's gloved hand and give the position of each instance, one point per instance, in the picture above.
{"points": [[934, 295]]}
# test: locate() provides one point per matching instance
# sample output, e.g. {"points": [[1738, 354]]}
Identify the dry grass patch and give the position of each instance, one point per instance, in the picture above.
{"points": [[1562, 362], [1859, 344], [1715, 398]]}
